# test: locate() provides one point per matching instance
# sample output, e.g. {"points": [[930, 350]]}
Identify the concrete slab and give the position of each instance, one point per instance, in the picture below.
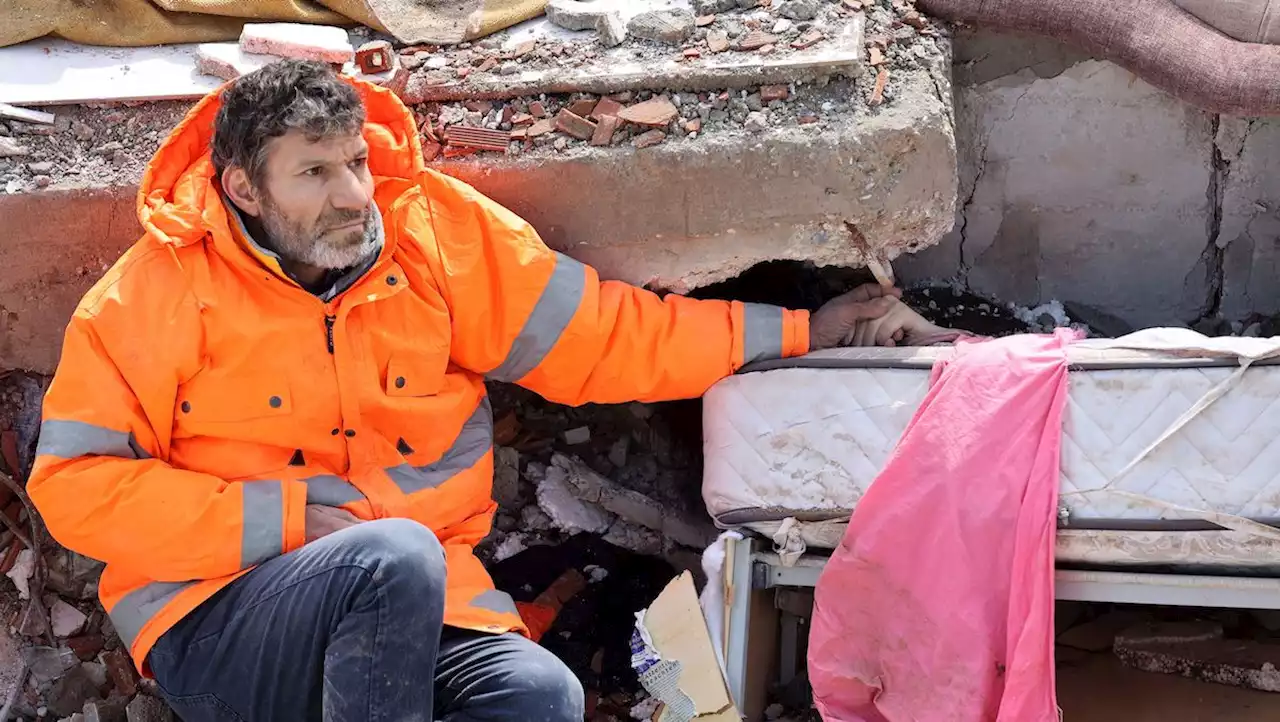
{"points": [[57, 72], [1250, 153]]}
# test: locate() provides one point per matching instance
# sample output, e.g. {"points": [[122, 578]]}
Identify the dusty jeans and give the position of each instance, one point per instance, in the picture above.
{"points": [[346, 629]]}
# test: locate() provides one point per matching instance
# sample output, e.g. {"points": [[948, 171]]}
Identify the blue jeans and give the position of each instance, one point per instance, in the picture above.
{"points": [[349, 629]]}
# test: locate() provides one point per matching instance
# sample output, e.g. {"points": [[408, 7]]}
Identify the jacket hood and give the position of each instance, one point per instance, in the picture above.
{"points": [[179, 202]]}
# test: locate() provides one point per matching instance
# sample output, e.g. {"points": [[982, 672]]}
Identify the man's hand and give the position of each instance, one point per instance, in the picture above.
{"points": [[322, 521], [872, 315]]}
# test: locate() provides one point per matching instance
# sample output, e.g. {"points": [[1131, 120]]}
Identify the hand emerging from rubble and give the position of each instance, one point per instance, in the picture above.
{"points": [[872, 315]]}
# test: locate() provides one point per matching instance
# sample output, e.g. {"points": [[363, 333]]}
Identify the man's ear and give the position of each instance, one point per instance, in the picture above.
{"points": [[236, 184]]}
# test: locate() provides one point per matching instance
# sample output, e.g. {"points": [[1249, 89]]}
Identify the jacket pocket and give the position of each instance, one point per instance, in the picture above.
{"points": [[415, 373]]}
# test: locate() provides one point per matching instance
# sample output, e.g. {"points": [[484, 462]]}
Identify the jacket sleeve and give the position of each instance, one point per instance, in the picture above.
{"points": [[103, 489], [526, 314]]}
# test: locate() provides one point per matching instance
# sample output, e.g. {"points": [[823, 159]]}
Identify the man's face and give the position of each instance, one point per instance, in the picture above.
{"points": [[315, 200]]}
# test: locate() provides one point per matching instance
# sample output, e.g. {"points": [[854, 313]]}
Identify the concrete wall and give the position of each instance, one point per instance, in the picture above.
{"points": [[1081, 183]]}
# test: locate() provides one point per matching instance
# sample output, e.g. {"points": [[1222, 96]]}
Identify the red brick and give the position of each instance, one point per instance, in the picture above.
{"points": [[523, 49], [875, 57], [605, 129], [374, 57], [915, 20], [770, 93], [808, 40], [649, 139], [464, 73], [520, 134], [569, 122], [123, 675], [521, 119], [693, 126], [542, 127], [478, 106], [582, 108], [479, 138], [488, 64], [606, 106], [655, 113], [508, 112], [691, 53], [704, 20], [756, 40], [808, 119], [882, 79], [538, 110], [86, 646]]}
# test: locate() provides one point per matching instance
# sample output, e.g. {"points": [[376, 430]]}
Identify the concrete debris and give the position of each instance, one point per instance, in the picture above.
{"points": [[26, 115], [757, 121], [10, 148], [663, 26], [112, 709], [595, 574], [1198, 650], [97, 671], [124, 676], [47, 663], [612, 30], [69, 693], [800, 9], [645, 709], [578, 15], [510, 546], [712, 7], [506, 477], [23, 568], [296, 40], [580, 435], [66, 620], [566, 511], [228, 61]]}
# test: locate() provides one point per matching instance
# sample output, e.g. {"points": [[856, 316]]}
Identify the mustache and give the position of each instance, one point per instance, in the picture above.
{"points": [[336, 218]]}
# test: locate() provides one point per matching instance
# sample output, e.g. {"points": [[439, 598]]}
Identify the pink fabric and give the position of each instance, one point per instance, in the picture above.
{"points": [[938, 605]]}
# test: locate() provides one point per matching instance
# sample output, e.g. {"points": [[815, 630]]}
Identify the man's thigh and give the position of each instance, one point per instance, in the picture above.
{"points": [[257, 649], [503, 678]]}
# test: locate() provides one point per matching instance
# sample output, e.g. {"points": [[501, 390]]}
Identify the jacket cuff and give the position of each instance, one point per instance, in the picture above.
{"points": [[795, 333], [295, 515]]}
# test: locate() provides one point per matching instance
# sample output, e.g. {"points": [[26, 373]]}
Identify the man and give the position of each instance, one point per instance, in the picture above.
{"points": [[270, 419]]}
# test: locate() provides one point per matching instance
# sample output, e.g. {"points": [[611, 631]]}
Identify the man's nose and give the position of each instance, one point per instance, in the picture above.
{"points": [[349, 192]]}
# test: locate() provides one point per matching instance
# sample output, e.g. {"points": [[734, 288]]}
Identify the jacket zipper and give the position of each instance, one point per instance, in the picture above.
{"points": [[328, 332]]}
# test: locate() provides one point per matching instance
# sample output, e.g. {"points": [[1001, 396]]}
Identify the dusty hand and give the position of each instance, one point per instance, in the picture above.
{"points": [[839, 318], [871, 315], [321, 521]]}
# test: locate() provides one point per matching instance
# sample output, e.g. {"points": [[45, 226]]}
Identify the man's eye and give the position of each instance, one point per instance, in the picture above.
{"points": [[359, 162], [313, 171]]}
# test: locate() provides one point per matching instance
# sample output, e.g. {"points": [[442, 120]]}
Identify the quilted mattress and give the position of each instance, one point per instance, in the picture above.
{"points": [[805, 438]]}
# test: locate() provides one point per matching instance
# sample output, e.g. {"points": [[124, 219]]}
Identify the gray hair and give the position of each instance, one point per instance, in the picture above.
{"points": [[287, 95]]}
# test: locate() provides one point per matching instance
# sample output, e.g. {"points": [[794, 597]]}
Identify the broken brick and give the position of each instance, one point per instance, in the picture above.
{"points": [[880, 41], [691, 53], [508, 112], [569, 122], [703, 21], [853, 4], [875, 57], [717, 41], [487, 65], [649, 139], [325, 43], [603, 134], [523, 49], [808, 40], [582, 108], [693, 125], [375, 57], [538, 110], [478, 138], [882, 79], [915, 20], [542, 127], [655, 113], [521, 119], [808, 119], [86, 646], [770, 93], [520, 134], [478, 106], [625, 96], [123, 675], [756, 40], [606, 106]]}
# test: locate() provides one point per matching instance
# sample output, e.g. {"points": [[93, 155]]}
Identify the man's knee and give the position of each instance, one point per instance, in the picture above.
{"points": [[553, 693], [396, 549]]}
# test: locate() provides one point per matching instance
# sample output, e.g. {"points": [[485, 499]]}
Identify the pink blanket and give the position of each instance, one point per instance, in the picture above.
{"points": [[938, 605]]}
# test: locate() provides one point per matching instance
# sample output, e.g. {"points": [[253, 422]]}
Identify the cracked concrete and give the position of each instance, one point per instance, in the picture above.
{"points": [[1081, 183]]}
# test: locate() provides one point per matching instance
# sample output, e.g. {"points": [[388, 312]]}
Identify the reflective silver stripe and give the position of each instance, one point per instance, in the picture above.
{"points": [[551, 315], [762, 333], [73, 439], [262, 536], [473, 442], [496, 601], [330, 490], [132, 613]]}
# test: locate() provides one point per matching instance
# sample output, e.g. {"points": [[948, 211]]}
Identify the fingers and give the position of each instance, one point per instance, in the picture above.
{"points": [[868, 291]]}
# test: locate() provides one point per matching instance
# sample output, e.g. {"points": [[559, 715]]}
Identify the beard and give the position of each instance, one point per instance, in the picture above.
{"points": [[313, 244]]}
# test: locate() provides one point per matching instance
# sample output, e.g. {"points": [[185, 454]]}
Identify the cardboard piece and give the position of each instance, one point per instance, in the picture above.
{"points": [[673, 654]]}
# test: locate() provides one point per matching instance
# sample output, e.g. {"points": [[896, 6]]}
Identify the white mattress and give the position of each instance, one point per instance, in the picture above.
{"points": [[806, 443]]}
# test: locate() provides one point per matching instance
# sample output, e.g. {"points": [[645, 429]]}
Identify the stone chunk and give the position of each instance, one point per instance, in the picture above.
{"points": [[718, 41], [567, 512], [575, 14], [580, 435], [148, 709], [111, 709], [655, 113], [612, 30], [47, 664], [297, 40], [66, 620], [756, 39], [9, 148], [800, 9], [122, 672], [770, 93], [227, 60], [663, 26], [375, 57], [70, 692], [711, 7]]}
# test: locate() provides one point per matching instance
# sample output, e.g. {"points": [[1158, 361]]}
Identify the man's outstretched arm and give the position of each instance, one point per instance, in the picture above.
{"points": [[526, 314]]}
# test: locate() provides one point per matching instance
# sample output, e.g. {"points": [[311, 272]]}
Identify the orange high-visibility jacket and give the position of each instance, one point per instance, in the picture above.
{"points": [[203, 398]]}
